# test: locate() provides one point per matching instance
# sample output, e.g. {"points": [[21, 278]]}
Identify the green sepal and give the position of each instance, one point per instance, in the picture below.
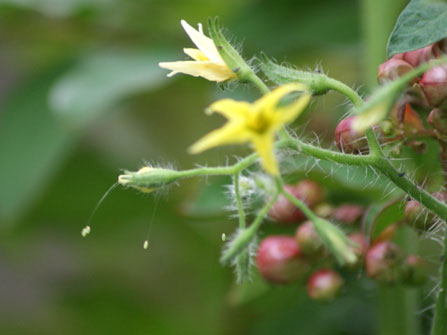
{"points": [[316, 81], [228, 53], [336, 241], [243, 263], [149, 179]]}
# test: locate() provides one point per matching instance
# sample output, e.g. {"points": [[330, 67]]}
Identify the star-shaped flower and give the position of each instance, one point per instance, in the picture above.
{"points": [[207, 62], [255, 122]]}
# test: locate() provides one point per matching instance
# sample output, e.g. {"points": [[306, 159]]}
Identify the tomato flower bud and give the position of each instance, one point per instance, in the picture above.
{"points": [[349, 213], [434, 85], [280, 261], [438, 120], [308, 239], [419, 56], [147, 179], [284, 211], [324, 285], [383, 262], [392, 69], [361, 244], [349, 140]]}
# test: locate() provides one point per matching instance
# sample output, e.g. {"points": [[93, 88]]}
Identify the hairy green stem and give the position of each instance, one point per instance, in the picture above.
{"points": [[257, 82], [439, 326], [329, 155], [240, 207], [298, 203], [245, 236], [344, 89], [333, 237]]}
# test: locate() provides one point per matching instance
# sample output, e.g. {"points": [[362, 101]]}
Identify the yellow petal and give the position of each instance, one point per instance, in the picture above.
{"points": [[195, 54], [205, 44], [269, 102], [231, 109], [230, 133], [263, 145], [207, 70]]}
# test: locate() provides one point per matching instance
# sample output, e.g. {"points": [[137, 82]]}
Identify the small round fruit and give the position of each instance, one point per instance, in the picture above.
{"points": [[283, 211], [280, 261], [434, 85], [383, 262], [392, 69], [438, 120], [349, 213], [309, 241], [349, 140], [419, 56], [324, 285], [361, 244]]}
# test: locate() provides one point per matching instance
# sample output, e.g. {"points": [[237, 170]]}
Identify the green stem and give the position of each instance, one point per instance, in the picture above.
{"points": [[329, 155], [298, 203], [220, 170], [344, 89], [245, 236], [440, 319], [240, 207], [256, 81], [332, 236], [418, 193]]}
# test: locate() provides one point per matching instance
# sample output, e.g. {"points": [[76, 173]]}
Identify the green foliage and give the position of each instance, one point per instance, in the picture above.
{"points": [[102, 79], [32, 145], [421, 23], [381, 215]]}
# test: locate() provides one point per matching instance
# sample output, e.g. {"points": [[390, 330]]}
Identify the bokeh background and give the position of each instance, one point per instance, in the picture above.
{"points": [[82, 97]]}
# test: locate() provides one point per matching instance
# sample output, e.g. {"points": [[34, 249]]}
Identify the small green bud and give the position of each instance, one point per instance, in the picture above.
{"points": [[228, 53], [308, 239], [148, 179], [336, 241]]}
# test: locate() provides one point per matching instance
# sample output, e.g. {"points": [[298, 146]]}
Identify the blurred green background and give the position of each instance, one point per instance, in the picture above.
{"points": [[82, 97]]}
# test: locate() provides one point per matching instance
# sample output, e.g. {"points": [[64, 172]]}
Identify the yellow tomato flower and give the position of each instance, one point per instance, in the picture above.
{"points": [[207, 62], [256, 122]]}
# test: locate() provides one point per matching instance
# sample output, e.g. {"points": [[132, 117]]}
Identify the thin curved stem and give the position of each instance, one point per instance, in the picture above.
{"points": [[256, 81], [440, 319], [240, 207], [245, 236], [344, 89], [329, 155]]}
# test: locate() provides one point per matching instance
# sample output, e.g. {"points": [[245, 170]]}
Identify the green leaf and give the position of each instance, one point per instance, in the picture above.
{"points": [[102, 79], [421, 23], [32, 145], [34, 141], [58, 8], [347, 182], [381, 215]]}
